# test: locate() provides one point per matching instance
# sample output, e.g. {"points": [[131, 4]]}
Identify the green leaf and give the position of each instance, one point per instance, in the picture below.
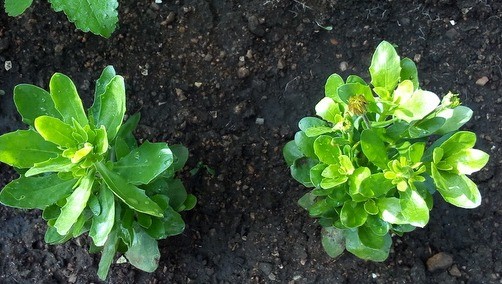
{"points": [[416, 107], [454, 118], [355, 246], [333, 241], [300, 170], [16, 7], [305, 144], [109, 107], [307, 201], [55, 131], [32, 102], [190, 202], [291, 153], [385, 68], [180, 156], [318, 130], [409, 72], [331, 88], [128, 193], [101, 141], [308, 122], [109, 250], [467, 161], [35, 192], [352, 89], [377, 225], [355, 79], [66, 99], [376, 185], [390, 210], [75, 204], [355, 181], [426, 127], [374, 148], [457, 142], [176, 192], [52, 237], [316, 174], [327, 149], [328, 109], [370, 207], [101, 85], [319, 208], [370, 239], [98, 16], [456, 189], [145, 163], [353, 214], [58, 164], [103, 223], [24, 148], [144, 252], [414, 208]]}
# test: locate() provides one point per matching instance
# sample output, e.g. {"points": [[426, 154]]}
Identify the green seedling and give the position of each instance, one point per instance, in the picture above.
{"points": [[88, 174], [98, 16], [377, 152]]}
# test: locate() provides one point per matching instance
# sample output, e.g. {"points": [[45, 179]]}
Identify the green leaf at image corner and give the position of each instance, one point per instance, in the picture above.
{"points": [[98, 16], [24, 148], [16, 7], [35, 192], [66, 99], [333, 241], [385, 68], [32, 102], [144, 163], [128, 193]]}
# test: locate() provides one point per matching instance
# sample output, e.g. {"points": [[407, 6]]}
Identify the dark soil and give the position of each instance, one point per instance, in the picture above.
{"points": [[208, 78]]}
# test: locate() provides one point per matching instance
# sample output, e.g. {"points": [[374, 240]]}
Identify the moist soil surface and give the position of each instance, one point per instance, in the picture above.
{"points": [[230, 80]]}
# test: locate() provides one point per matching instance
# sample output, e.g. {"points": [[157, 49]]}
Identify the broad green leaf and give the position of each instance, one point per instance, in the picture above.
{"points": [[170, 225], [420, 104], [467, 161], [456, 189], [375, 185], [370, 239], [354, 245], [428, 154], [98, 16], [35, 192], [127, 128], [103, 223], [331, 88], [415, 152], [374, 148], [128, 193], [385, 68], [370, 207], [426, 127], [454, 118], [327, 149], [108, 254], [331, 182], [377, 225], [316, 174], [144, 220], [353, 214], [75, 204], [352, 89], [318, 130], [101, 85], [305, 144], [300, 170], [291, 153], [319, 208], [180, 156], [355, 79], [58, 164], [308, 122], [55, 131], [66, 99], [144, 252], [101, 141], [32, 102], [145, 163], [190, 202], [176, 192], [24, 148], [328, 109], [390, 210], [307, 201], [52, 237], [15, 8], [458, 141], [409, 72], [414, 208], [110, 110], [333, 241], [355, 181]]}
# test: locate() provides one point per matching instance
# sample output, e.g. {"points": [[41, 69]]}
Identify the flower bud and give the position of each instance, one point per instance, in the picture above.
{"points": [[358, 104]]}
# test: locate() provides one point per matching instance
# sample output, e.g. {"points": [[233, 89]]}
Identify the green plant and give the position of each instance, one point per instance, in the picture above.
{"points": [[98, 16], [88, 174], [379, 153]]}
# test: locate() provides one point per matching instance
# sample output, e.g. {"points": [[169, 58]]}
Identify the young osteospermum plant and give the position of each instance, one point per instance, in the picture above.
{"points": [[377, 154], [88, 174]]}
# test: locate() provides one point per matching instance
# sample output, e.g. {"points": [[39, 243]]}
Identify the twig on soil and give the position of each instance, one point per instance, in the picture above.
{"points": [[287, 84]]}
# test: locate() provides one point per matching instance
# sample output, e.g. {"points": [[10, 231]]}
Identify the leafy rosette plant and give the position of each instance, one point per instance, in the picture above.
{"points": [[377, 154], [88, 174]]}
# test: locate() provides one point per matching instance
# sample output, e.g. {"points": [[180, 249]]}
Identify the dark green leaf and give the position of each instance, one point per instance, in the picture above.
{"points": [[176, 192], [300, 170], [305, 144], [374, 148], [32, 102], [409, 72], [180, 155], [291, 153], [355, 246], [308, 122], [35, 192], [307, 201]]}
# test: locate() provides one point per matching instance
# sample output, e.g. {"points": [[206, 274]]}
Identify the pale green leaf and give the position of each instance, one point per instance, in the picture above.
{"points": [[456, 189], [328, 109], [414, 208], [66, 99], [454, 118], [108, 254], [416, 107], [24, 148], [355, 246], [103, 223], [467, 161], [331, 88], [55, 131], [333, 241], [385, 68], [144, 252]]}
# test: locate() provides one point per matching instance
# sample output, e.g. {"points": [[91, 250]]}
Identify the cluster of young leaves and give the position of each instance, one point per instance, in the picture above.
{"points": [[370, 161], [98, 16], [88, 174]]}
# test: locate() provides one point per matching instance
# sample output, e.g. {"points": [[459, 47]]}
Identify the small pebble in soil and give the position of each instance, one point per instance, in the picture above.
{"points": [[343, 66], [439, 261], [242, 72], [454, 271], [482, 81], [260, 121], [8, 65]]}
